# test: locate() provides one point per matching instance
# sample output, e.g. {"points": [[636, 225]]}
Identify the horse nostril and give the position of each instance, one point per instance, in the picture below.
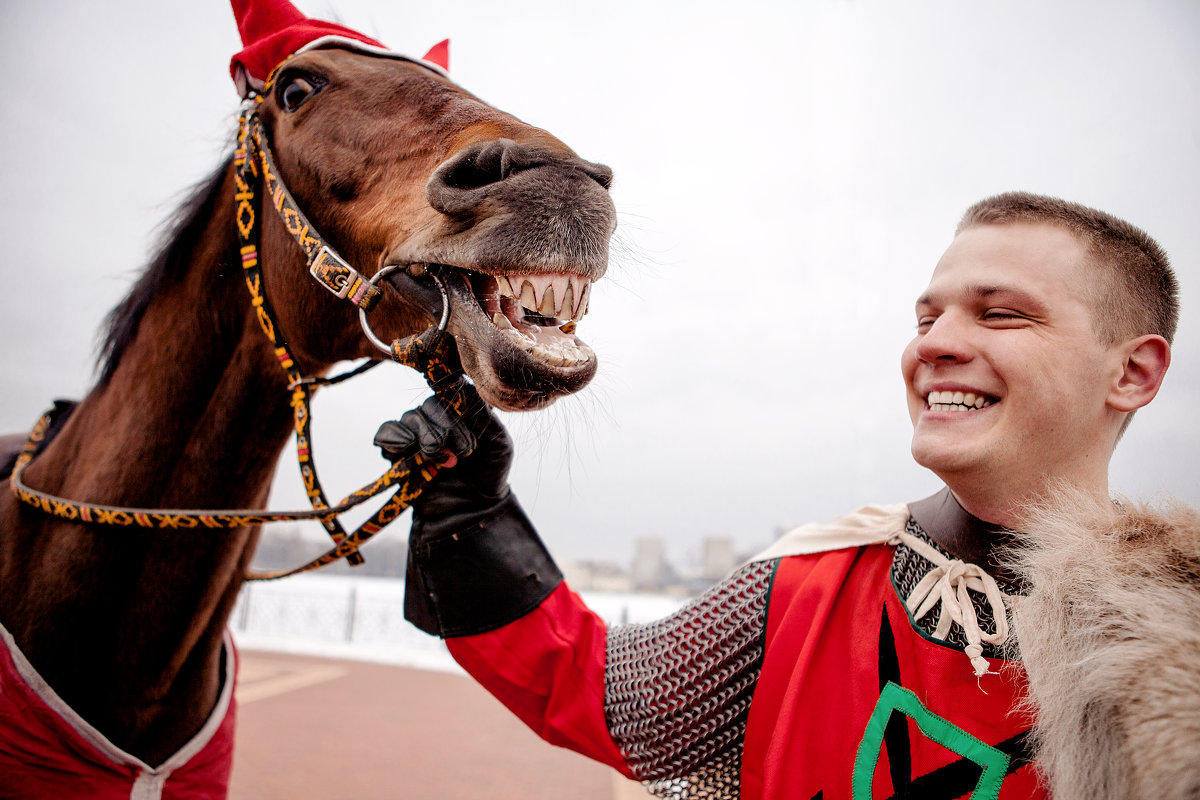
{"points": [[462, 182], [489, 163], [600, 174], [453, 187]]}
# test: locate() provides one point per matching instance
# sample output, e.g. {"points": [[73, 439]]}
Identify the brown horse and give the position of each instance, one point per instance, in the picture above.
{"points": [[395, 165]]}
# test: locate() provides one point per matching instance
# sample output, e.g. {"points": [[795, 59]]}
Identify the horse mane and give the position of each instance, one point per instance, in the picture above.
{"points": [[181, 233]]}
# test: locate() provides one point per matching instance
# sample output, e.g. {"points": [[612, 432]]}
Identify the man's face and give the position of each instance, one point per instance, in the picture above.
{"points": [[1007, 380]]}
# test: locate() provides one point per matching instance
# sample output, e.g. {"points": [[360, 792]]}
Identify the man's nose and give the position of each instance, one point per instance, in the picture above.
{"points": [[948, 339]]}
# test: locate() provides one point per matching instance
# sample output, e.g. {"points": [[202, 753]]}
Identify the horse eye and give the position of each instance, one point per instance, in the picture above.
{"points": [[294, 92]]}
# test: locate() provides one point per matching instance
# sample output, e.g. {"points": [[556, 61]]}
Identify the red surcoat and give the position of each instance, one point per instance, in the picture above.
{"points": [[852, 700]]}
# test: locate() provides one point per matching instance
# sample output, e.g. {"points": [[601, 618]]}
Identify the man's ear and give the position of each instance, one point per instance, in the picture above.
{"points": [[1146, 361]]}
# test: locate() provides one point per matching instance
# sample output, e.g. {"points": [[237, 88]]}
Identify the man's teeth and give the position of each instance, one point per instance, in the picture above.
{"points": [[561, 296], [559, 352], [957, 401]]}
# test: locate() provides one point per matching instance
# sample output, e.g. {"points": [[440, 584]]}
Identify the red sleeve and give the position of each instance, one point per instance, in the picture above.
{"points": [[548, 668]]}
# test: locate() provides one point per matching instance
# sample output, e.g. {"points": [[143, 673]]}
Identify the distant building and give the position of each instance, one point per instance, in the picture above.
{"points": [[652, 572], [718, 557], [649, 563], [285, 547], [596, 576]]}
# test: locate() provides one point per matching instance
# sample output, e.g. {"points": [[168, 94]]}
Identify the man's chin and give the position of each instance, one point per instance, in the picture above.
{"points": [[941, 457]]}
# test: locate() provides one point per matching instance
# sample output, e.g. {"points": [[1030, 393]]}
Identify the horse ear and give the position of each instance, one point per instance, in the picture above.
{"points": [[258, 19], [439, 54]]}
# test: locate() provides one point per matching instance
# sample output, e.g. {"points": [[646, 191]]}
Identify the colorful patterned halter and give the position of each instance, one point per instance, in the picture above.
{"points": [[432, 353]]}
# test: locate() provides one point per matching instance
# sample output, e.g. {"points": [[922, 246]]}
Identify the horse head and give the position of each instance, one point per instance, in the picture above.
{"points": [[395, 165], [392, 165]]}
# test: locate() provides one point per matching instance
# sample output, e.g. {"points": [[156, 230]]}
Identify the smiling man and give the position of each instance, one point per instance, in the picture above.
{"points": [[863, 657], [1057, 321]]}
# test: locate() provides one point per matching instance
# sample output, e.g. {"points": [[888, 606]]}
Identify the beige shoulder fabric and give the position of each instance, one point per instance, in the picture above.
{"points": [[868, 525]]}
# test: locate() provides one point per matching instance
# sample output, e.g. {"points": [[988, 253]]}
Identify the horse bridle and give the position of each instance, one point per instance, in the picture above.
{"points": [[432, 352]]}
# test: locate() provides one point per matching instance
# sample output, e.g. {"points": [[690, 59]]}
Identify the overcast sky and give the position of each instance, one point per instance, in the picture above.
{"points": [[787, 174]]}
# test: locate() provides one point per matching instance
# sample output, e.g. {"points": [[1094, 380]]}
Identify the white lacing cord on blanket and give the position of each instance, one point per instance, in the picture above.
{"points": [[949, 583]]}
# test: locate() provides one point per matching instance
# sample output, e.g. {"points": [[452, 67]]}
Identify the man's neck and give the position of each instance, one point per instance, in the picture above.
{"points": [[1005, 499], [961, 533]]}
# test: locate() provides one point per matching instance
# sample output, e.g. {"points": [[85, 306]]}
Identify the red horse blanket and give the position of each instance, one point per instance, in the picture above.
{"points": [[49, 751]]}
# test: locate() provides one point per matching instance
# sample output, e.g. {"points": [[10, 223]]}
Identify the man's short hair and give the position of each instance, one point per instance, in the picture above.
{"points": [[1139, 295]]}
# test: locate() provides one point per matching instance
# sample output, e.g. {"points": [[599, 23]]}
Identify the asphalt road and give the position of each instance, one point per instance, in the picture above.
{"points": [[334, 730]]}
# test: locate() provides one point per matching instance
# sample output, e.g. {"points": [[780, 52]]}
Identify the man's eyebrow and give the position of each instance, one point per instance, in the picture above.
{"points": [[987, 292]]}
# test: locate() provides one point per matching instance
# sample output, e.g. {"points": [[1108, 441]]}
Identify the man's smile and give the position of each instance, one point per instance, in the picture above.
{"points": [[957, 401]]}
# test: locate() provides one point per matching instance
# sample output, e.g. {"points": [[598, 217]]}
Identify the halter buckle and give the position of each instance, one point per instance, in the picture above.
{"points": [[343, 280]]}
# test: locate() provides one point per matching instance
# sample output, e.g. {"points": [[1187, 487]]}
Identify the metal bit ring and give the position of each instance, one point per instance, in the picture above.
{"points": [[362, 313]]}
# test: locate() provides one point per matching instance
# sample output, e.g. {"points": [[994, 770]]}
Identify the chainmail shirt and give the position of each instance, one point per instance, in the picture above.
{"points": [[678, 691]]}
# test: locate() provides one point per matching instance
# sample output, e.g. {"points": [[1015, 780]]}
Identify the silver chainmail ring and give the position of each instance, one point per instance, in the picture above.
{"points": [[677, 691]]}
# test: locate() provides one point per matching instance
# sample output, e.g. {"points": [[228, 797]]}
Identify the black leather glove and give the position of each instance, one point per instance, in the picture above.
{"points": [[478, 448], [475, 562]]}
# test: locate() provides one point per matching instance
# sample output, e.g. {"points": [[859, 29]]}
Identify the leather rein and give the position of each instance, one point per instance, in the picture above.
{"points": [[432, 352]]}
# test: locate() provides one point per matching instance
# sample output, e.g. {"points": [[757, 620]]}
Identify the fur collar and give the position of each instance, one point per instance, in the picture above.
{"points": [[1110, 638]]}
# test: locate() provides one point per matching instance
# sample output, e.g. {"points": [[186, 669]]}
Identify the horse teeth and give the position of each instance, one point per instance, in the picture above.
{"points": [[584, 297], [566, 306], [519, 339], [547, 308], [554, 353], [560, 296], [561, 284], [527, 298], [501, 322]]}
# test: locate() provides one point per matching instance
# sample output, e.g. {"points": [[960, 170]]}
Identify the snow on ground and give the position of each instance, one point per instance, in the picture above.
{"points": [[362, 618]]}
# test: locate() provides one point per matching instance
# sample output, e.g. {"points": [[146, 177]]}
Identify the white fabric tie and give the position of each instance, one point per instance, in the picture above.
{"points": [[950, 583]]}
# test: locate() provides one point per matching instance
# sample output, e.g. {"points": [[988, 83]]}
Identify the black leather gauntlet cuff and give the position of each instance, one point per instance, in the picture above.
{"points": [[476, 574]]}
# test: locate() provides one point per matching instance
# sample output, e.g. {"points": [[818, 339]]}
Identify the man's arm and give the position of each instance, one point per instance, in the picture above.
{"points": [[479, 576], [657, 701]]}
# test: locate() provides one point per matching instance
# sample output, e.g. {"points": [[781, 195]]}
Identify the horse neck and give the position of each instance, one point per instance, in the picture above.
{"points": [[193, 415]]}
